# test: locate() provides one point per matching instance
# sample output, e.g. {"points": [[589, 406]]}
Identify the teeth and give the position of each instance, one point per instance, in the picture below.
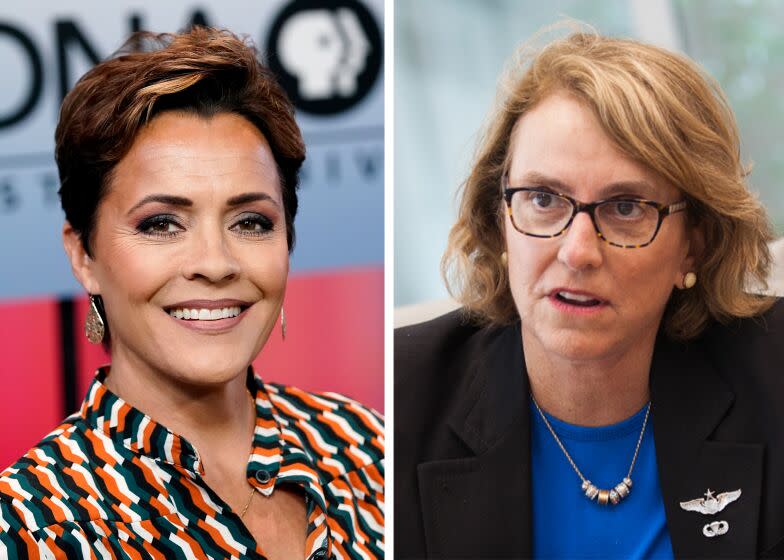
{"points": [[205, 314], [575, 297]]}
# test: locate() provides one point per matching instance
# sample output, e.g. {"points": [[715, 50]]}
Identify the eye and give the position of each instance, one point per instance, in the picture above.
{"points": [[626, 209], [541, 199], [162, 225], [253, 225]]}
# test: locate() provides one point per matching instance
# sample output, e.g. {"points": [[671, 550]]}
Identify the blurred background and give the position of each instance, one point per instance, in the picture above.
{"points": [[449, 54], [334, 301]]}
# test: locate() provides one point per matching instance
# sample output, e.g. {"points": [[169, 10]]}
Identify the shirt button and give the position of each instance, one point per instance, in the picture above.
{"points": [[262, 477]]}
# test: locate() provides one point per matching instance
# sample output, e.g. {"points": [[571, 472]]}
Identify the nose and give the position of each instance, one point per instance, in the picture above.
{"points": [[211, 258], [581, 247]]}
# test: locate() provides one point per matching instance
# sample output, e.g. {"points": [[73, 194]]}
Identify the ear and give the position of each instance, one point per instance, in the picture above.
{"points": [[81, 263], [695, 246]]}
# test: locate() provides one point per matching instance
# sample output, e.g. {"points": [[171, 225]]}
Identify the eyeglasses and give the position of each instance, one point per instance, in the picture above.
{"points": [[626, 222]]}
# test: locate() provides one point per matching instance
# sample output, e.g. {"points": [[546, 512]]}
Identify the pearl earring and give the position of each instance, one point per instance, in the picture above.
{"points": [[689, 280], [504, 258]]}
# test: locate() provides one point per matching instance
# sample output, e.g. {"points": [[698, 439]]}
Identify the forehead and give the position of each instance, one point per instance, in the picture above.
{"points": [[195, 155], [561, 138]]}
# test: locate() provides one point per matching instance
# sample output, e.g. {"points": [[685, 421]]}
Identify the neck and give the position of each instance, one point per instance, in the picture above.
{"points": [[589, 392], [211, 418]]}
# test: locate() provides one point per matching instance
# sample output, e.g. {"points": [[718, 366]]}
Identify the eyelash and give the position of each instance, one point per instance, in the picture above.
{"points": [[146, 226], [266, 225]]}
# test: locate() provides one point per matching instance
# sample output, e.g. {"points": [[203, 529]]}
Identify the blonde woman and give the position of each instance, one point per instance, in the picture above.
{"points": [[609, 390]]}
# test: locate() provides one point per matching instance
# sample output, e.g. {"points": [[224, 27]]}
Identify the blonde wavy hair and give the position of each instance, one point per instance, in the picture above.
{"points": [[661, 110]]}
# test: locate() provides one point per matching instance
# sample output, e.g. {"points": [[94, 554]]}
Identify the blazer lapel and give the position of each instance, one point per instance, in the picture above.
{"points": [[689, 402], [478, 505]]}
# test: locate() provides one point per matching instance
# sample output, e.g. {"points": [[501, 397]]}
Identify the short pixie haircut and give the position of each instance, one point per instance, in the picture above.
{"points": [[203, 71], [660, 110]]}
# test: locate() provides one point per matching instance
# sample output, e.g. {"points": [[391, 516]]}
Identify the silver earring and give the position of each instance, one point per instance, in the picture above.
{"points": [[689, 280], [283, 323], [94, 327]]}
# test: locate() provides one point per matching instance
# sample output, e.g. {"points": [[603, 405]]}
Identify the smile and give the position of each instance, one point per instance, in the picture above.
{"points": [[205, 314]]}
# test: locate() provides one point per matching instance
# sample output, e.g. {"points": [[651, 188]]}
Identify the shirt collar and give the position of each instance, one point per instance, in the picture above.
{"points": [[126, 426], [278, 453]]}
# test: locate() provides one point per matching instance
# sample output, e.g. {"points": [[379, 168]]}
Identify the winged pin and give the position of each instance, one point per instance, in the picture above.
{"points": [[711, 505]]}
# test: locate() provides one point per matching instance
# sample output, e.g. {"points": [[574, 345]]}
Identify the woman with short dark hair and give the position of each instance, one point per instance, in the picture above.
{"points": [[179, 168]]}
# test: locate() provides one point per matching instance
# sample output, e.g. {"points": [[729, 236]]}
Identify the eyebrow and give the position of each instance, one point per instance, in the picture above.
{"points": [[172, 200], [249, 197], [611, 189]]}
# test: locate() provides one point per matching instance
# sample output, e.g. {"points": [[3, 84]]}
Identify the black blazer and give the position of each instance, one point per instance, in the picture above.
{"points": [[462, 462]]}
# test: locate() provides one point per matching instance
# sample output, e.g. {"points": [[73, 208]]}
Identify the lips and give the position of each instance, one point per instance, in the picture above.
{"points": [[207, 310], [577, 298]]}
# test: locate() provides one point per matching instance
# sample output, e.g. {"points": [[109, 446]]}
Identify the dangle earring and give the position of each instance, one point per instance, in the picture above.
{"points": [[94, 326], [504, 258], [689, 280], [283, 323]]}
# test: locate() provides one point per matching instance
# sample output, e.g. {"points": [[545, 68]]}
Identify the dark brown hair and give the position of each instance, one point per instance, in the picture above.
{"points": [[202, 71]]}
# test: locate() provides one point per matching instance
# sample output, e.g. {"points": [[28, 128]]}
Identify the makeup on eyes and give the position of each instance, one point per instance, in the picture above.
{"points": [[247, 224], [154, 226]]}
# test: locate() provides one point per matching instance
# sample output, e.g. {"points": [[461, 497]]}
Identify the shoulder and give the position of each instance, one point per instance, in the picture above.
{"points": [[441, 368], [34, 490], [762, 330], [446, 341], [436, 360], [748, 354], [757, 341], [330, 424], [446, 330]]}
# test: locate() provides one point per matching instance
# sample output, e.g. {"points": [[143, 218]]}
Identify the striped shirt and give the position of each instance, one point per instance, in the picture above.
{"points": [[110, 482]]}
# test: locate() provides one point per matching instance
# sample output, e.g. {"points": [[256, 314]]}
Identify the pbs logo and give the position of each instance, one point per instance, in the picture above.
{"points": [[327, 54]]}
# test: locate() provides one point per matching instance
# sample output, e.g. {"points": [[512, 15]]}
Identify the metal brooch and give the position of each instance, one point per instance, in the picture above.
{"points": [[715, 528], [711, 505]]}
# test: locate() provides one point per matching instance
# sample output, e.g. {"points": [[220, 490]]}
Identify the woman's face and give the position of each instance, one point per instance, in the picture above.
{"points": [[193, 220], [560, 144]]}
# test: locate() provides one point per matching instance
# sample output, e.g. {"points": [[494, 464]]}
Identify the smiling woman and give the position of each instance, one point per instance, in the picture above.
{"points": [[179, 167]]}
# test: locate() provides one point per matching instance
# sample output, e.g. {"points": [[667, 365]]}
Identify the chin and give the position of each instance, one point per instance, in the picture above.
{"points": [[207, 368], [579, 345]]}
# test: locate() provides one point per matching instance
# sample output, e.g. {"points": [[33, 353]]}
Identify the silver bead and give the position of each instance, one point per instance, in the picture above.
{"points": [[628, 482], [614, 497], [592, 491], [622, 489], [585, 485]]}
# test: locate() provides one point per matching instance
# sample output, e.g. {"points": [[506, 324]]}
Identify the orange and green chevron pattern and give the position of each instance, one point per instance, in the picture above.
{"points": [[110, 482]]}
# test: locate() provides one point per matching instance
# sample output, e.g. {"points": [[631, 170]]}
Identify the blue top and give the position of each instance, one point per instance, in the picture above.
{"points": [[566, 524]]}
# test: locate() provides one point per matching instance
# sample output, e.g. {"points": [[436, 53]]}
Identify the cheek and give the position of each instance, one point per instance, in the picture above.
{"points": [[647, 281], [138, 271], [268, 268], [528, 259]]}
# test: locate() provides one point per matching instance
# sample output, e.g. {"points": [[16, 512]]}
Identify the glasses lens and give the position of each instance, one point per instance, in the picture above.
{"points": [[627, 222], [540, 212]]}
